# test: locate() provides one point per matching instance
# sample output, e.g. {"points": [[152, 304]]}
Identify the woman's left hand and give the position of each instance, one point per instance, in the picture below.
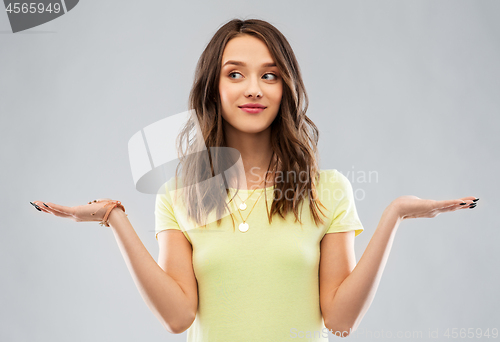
{"points": [[414, 207]]}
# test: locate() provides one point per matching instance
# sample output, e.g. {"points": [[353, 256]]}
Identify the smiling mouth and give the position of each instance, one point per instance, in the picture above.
{"points": [[248, 106], [252, 110]]}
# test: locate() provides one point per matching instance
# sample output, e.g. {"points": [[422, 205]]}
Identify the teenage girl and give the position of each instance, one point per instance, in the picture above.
{"points": [[282, 264]]}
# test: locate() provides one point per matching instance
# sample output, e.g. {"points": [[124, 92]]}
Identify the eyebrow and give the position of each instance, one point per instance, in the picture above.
{"points": [[272, 64]]}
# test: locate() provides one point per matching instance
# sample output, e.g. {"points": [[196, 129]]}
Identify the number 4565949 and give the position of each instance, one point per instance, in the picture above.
{"points": [[471, 333], [32, 7]]}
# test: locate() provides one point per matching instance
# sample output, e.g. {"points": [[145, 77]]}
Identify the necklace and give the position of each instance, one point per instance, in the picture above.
{"points": [[243, 205], [243, 227]]}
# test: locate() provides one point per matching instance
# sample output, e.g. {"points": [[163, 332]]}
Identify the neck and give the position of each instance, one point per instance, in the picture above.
{"points": [[256, 153]]}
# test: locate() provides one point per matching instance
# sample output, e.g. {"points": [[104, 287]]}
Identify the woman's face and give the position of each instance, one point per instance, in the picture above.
{"points": [[246, 79]]}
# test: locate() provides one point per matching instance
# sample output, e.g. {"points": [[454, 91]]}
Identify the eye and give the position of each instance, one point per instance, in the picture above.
{"points": [[269, 73], [233, 73]]}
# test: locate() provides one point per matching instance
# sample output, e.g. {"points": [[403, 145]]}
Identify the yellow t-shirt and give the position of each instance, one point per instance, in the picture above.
{"points": [[262, 284]]}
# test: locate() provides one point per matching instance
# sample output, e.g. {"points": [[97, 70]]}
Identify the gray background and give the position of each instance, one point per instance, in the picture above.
{"points": [[408, 89]]}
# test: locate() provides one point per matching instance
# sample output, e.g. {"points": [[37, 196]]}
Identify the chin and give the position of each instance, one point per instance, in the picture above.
{"points": [[251, 130]]}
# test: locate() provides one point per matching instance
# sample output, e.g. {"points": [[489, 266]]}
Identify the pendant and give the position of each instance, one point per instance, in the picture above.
{"points": [[243, 227], [243, 206]]}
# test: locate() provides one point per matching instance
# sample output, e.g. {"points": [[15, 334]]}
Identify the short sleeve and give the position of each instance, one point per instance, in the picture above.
{"points": [[164, 213], [345, 215]]}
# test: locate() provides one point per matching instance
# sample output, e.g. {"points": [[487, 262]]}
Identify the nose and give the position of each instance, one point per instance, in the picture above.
{"points": [[253, 89]]}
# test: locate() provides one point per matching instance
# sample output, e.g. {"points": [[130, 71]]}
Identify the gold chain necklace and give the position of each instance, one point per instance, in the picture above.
{"points": [[243, 227]]}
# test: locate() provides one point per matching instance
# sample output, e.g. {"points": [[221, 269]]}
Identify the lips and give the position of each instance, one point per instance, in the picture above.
{"points": [[252, 105], [252, 110]]}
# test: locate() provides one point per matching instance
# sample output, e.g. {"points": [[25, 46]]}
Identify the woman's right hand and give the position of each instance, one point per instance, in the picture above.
{"points": [[80, 213]]}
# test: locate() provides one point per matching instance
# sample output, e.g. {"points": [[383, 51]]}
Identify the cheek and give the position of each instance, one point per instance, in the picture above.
{"points": [[278, 96], [225, 95], [278, 93], [226, 101]]}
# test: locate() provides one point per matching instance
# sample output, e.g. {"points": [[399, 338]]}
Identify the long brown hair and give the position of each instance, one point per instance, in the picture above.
{"points": [[294, 137]]}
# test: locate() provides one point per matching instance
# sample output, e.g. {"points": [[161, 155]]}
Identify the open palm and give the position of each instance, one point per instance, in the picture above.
{"points": [[93, 211], [414, 207]]}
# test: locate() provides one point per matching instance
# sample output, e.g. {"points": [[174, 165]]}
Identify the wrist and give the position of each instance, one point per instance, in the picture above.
{"points": [[393, 211], [116, 215]]}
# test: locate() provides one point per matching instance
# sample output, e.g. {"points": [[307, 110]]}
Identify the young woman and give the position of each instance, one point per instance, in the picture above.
{"points": [[269, 258]]}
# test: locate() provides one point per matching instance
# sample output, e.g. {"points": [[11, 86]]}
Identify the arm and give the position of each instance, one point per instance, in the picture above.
{"points": [[162, 294], [355, 294], [348, 295]]}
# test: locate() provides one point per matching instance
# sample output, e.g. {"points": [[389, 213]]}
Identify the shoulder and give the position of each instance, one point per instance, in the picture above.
{"points": [[172, 185], [333, 185], [333, 177], [169, 190]]}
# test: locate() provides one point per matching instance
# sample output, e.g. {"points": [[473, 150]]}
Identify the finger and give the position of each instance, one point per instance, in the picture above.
{"points": [[469, 205], [450, 203], [470, 200], [458, 207], [52, 211], [40, 206], [453, 208], [59, 214], [458, 202], [60, 208]]}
